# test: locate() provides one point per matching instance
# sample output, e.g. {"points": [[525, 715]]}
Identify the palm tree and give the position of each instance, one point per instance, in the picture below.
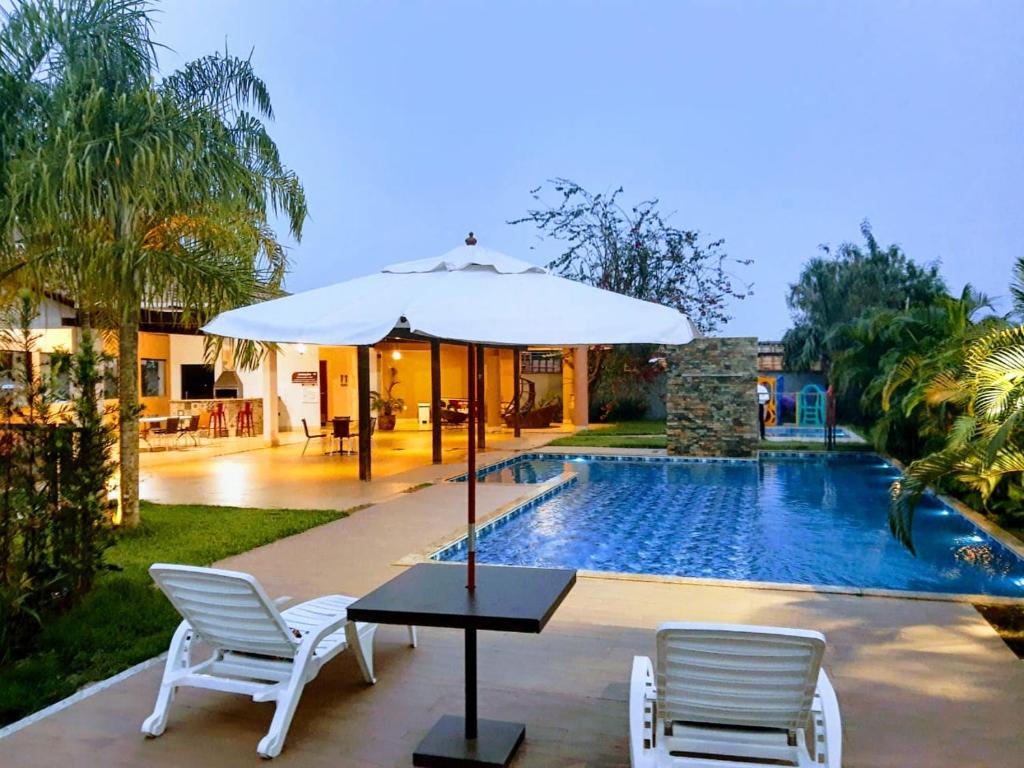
{"points": [[984, 447], [130, 193], [899, 360]]}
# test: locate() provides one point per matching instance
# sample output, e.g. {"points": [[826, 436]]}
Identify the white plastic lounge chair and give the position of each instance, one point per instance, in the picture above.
{"points": [[742, 694], [256, 649]]}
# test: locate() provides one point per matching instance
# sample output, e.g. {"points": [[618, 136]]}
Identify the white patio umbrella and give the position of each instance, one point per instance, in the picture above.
{"points": [[470, 295]]}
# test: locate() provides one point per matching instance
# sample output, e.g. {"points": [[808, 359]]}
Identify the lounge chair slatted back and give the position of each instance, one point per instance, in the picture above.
{"points": [[228, 609], [757, 677]]}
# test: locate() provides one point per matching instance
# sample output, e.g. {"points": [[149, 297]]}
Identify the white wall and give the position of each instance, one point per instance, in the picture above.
{"points": [[185, 349], [295, 401], [50, 314], [342, 399]]}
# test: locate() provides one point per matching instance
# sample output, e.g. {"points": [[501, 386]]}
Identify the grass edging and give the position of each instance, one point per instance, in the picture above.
{"points": [[79, 695], [125, 620]]}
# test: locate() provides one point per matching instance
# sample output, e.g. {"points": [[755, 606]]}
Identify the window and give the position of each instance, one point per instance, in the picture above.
{"points": [[547, 361], [196, 382], [12, 370], [109, 367], [57, 378], [153, 378]]}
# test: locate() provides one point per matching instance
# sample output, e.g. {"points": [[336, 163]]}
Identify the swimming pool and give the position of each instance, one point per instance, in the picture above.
{"points": [[819, 520]]}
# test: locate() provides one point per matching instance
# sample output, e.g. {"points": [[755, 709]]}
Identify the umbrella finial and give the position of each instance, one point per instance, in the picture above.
{"points": [[470, 240]]}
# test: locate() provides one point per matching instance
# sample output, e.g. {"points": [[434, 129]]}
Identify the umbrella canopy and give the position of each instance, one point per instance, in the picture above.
{"points": [[469, 294]]}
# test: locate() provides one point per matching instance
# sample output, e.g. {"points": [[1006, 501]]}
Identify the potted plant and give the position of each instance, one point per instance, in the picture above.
{"points": [[387, 405]]}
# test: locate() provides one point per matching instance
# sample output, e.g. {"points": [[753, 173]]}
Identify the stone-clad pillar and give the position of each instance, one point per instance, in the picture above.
{"points": [[711, 399]]}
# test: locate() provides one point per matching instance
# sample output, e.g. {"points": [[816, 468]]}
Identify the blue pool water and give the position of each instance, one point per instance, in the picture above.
{"points": [[803, 521], [532, 470], [804, 432]]}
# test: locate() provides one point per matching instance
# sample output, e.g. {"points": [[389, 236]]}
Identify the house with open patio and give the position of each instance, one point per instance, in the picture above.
{"points": [[319, 384]]}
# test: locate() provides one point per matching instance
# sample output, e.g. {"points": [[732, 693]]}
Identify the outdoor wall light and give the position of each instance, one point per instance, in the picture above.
{"points": [[300, 348], [396, 355]]}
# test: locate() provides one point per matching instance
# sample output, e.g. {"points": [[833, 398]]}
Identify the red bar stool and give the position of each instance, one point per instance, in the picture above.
{"points": [[218, 421], [243, 426]]}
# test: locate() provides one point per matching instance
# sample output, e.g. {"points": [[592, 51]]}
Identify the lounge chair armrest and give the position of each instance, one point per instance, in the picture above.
{"points": [[315, 636], [642, 712], [828, 729]]}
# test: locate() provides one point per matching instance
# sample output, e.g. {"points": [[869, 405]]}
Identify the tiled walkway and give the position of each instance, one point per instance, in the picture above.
{"points": [[920, 683], [283, 478]]}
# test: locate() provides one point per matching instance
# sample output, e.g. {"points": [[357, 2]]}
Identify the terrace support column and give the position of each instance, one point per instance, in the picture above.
{"points": [[271, 432], [581, 393], [479, 396], [435, 400], [363, 376], [517, 391], [493, 386], [568, 385]]}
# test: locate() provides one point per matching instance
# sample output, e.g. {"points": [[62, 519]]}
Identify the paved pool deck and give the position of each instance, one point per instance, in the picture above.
{"points": [[920, 683]]}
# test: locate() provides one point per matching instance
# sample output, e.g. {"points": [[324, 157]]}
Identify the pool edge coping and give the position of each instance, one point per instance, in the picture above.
{"points": [[556, 485]]}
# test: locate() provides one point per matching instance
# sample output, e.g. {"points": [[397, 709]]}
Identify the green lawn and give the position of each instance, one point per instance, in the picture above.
{"points": [[623, 434], [125, 619], [611, 441], [644, 427]]}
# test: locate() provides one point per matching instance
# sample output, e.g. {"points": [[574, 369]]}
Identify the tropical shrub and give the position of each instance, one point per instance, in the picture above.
{"points": [[984, 448], [956, 383], [55, 474], [623, 387], [891, 363]]}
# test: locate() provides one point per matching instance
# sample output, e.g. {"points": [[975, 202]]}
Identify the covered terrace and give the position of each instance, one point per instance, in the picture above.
{"points": [[430, 377]]}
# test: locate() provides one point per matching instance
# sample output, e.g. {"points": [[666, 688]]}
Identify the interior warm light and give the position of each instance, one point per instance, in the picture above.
{"points": [[396, 355], [114, 494]]}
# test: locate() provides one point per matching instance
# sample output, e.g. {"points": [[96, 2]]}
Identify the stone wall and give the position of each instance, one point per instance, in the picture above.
{"points": [[712, 397]]}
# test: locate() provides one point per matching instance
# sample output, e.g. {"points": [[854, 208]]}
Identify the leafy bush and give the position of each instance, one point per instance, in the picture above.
{"points": [[55, 471], [622, 382]]}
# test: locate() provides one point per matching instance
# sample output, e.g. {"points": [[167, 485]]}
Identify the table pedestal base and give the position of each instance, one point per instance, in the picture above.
{"points": [[446, 746]]}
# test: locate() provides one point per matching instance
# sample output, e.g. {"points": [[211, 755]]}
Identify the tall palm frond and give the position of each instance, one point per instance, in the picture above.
{"points": [[1017, 287], [985, 445], [907, 491]]}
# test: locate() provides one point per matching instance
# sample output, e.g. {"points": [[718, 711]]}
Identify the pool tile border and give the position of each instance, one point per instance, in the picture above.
{"points": [[527, 456]]}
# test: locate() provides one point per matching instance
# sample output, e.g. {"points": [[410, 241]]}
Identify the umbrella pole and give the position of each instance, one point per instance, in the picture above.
{"points": [[471, 476]]}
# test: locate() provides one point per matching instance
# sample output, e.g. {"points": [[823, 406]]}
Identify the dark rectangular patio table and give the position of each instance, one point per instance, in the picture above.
{"points": [[506, 599]]}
